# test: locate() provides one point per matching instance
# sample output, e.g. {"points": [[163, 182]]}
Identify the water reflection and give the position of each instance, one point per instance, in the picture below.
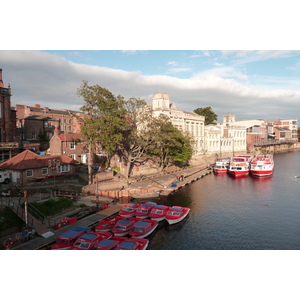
{"points": [[238, 212]]}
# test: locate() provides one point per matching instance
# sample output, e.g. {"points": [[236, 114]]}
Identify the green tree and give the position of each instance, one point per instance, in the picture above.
{"points": [[207, 112], [44, 139], [136, 142], [168, 143], [104, 122]]}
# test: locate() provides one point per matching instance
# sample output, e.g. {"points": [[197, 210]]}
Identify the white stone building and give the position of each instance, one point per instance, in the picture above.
{"points": [[226, 138], [234, 134], [185, 121]]}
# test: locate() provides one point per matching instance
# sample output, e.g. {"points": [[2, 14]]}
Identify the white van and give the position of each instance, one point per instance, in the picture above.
{"points": [[4, 177]]}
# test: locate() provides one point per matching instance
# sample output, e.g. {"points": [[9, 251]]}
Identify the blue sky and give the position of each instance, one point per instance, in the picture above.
{"points": [[185, 64]]}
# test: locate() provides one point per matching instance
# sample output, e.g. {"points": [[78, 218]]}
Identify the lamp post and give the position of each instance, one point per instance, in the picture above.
{"points": [[53, 165]]}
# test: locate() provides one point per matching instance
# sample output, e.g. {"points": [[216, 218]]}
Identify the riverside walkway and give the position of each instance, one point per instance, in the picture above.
{"points": [[169, 183], [41, 242]]}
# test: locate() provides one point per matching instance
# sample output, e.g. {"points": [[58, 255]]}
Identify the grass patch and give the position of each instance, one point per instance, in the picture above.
{"points": [[53, 206]]}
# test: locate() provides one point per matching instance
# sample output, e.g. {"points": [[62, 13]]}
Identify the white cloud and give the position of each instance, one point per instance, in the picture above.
{"points": [[172, 63], [130, 52], [253, 55], [218, 64], [52, 81], [227, 72], [178, 70]]}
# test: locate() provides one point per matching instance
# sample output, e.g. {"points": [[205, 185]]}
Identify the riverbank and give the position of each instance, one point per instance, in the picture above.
{"points": [[162, 183]]}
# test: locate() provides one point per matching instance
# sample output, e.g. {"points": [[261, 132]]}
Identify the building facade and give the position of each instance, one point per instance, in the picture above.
{"points": [[225, 138], [187, 122], [34, 120], [68, 144], [8, 144], [7, 114]]}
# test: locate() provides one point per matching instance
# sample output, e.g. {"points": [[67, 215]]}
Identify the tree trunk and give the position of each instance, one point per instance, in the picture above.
{"points": [[90, 165]]}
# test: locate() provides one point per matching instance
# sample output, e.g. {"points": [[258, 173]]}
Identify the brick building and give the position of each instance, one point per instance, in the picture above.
{"points": [[7, 114], [8, 146], [68, 144], [34, 121], [28, 166]]}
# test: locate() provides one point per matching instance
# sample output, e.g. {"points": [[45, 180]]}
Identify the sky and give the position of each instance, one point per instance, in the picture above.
{"points": [[251, 84]]}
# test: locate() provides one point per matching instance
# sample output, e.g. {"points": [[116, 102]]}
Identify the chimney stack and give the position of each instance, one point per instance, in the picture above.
{"points": [[1, 82], [37, 105]]}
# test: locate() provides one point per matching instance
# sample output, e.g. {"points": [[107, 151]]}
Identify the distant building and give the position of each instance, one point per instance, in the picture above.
{"points": [[184, 121], [283, 129], [225, 138]]}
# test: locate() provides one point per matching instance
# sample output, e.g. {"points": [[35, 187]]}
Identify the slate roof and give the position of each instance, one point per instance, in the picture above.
{"points": [[30, 160]]}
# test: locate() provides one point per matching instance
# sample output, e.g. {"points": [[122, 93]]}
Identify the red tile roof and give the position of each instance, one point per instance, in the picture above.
{"points": [[30, 160], [69, 137]]}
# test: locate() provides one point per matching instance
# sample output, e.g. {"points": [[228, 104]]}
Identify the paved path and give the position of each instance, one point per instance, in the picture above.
{"points": [[41, 242], [168, 183]]}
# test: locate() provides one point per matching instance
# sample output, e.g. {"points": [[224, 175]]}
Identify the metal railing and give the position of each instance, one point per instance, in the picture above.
{"points": [[36, 213], [274, 142]]}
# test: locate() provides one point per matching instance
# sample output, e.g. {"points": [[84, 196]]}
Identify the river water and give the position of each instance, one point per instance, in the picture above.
{"points": [[245, 213]]}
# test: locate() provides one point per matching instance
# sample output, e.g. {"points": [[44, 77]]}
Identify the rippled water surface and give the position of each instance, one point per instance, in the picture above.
{"points": [[237, 213]]}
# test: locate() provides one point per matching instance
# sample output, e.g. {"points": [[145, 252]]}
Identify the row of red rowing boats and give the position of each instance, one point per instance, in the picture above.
{"points": [[136, 220]]}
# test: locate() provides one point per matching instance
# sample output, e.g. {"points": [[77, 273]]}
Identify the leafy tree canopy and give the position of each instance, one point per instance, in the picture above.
{"points": [[207, 112], [168, 142]]}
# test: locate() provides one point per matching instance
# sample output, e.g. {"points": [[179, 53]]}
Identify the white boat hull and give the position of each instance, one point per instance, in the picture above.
{"points": [[174, 221], [158, 219], [146, 234], [121, 233]]}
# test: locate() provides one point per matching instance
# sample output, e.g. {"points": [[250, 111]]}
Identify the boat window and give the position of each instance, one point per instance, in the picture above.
{"points": [[142, 210], [84, 245], [138, 229], [120, 227], [127, 209], [157, 211], [174, 213]]}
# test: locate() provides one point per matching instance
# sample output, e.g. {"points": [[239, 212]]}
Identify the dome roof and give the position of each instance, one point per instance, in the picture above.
{"points": [[160, 96]]}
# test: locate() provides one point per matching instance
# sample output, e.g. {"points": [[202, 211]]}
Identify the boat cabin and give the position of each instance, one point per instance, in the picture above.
{"points": [[110, 244], [159, 210], [133, 244], [128, 209], [87, 241], [123, 225], [141, 227], [67, 239], [175, 211]]}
